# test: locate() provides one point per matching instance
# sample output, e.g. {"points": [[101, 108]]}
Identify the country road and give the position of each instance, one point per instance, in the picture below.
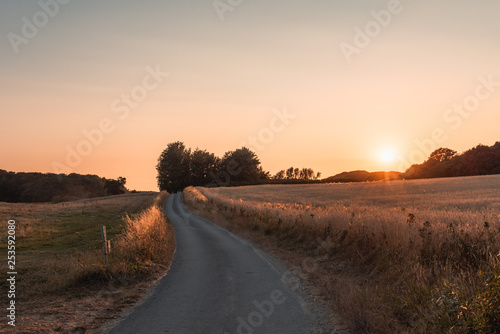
{"points": [[219, 283]]}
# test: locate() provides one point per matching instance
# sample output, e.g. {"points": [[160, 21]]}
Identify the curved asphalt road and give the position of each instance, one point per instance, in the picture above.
{"points": [[218, 283]]}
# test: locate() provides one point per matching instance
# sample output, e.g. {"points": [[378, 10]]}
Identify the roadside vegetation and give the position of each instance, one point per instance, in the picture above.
{"points": [[420, 256], [63, 284]]}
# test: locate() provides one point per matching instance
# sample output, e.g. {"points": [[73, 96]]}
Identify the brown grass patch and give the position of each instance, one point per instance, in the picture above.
{"points": [[63, 284]]}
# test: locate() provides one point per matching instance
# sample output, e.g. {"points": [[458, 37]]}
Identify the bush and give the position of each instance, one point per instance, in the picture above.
{"points": [[463, 311]]}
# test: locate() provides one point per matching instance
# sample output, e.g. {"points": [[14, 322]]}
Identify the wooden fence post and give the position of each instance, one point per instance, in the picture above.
{"points": [[105, 244]]}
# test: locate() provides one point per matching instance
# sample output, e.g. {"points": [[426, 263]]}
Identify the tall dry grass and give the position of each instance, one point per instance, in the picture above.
{"points": [[145, 247], [146, 237], [415, 256]]}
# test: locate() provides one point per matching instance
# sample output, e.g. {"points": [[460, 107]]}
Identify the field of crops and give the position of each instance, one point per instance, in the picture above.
{"points": [[394, 213], [429, 248], [456, 200]]}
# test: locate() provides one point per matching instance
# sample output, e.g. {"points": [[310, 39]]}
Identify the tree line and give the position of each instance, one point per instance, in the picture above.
{"points": [[293, 173], [445, 162], [40, 187], [179, 167]]}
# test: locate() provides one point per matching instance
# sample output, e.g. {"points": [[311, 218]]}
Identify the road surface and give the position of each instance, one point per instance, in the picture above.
{"points": [[219, 283]]}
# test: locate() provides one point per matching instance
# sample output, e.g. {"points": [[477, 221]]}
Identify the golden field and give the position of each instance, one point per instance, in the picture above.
{"points": [[416, 256]]}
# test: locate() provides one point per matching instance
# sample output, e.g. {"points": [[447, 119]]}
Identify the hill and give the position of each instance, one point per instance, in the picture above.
{"points": [[363, 176], [40, 187]]}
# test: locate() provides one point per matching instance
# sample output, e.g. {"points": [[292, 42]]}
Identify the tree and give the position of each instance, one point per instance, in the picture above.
{"points": [[289, 173], [174, 168], [306, 174], [264, 174], [241, 166], [122, 180], [202, 165], [39, 187], [279, 175], [444, 162], [115, 187], [442, 154], [318, 175], [296, 173]]}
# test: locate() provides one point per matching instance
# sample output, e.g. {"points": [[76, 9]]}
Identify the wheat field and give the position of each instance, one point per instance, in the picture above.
{"points": [[395, 211], [445, 200], [425, 252]]}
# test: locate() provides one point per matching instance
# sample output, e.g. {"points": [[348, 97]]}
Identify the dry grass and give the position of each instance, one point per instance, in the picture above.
{"points": [[144, 237], [381, 250], [63, 284]]}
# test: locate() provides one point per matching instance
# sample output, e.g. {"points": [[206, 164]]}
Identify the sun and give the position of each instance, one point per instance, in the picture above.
{"points": [[387, 156]]}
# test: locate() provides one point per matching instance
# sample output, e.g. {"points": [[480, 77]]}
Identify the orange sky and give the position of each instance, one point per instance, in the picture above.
{"points": [[91, 77]]}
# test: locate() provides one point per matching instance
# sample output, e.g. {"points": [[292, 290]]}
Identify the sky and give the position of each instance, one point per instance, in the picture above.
{"points": [[101, 87]]}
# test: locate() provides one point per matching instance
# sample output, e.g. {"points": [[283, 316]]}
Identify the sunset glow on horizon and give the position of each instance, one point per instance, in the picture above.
{"points": [[387, 156], [96, 87]]}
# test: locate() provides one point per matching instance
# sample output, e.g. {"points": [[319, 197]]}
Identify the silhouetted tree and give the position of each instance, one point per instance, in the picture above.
{"points": [[264, 174], [115, 187], [241, 165], [279, 175], [203, 163], [289, 173], [296, 173], [442, 154], [444, 162], [39, 187], [122, 180], [306, 174], [174, 168]]}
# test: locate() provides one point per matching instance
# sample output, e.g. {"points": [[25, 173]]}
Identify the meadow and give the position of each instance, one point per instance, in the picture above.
{"points": [[63, 284], [418, 256]]}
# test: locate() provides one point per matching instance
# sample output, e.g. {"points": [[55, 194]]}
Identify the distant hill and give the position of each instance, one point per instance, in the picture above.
{"points": [[444, 162], [363, 176], [39, 187]]}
